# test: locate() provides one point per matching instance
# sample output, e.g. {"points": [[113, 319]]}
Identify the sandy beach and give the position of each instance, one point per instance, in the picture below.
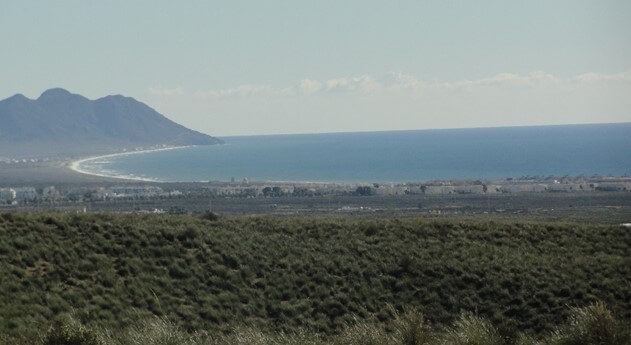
{"points": [[76, 165], [65, 171]]}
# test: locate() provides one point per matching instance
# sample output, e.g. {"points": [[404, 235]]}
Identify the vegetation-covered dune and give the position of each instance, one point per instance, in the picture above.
{"points": [[304, 274]]}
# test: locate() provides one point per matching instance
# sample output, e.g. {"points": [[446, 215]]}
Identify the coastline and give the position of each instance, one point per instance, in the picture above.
{"points": [[76, 165]]}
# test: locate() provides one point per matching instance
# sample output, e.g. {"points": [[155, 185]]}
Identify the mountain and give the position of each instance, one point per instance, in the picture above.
{"points": [[61, 122]]}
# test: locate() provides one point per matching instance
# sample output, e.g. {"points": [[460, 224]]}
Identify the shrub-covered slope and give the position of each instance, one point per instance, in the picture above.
{"points": [[290, 273]]}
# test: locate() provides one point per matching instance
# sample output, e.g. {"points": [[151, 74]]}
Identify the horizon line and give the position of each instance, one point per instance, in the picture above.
{"points": [[422, 129]]}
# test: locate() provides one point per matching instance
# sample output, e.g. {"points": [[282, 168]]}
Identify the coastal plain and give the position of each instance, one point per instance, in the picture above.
{"points": [[584, 199]]}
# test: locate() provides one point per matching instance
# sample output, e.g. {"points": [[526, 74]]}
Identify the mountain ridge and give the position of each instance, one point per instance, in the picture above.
{"points": [[59, 121]]}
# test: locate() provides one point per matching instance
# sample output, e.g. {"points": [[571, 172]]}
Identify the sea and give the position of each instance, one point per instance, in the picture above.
{"points": [[388, 156]]}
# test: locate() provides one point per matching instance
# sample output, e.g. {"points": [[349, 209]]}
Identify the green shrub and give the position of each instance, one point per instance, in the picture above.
{"points": [[158, 331], [362, 333], [412, 329], [290, 273], [209, 216], [471, 330], [593, 325], [68, 331], [526, 340]]}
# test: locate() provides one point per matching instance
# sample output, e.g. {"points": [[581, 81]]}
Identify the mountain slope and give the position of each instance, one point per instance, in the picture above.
{"points": [[62, 122]]}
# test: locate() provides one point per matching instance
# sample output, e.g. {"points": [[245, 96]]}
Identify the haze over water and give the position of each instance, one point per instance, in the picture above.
{"points": [[401, 156]]}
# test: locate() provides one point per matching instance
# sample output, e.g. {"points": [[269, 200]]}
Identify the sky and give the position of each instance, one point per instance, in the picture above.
{"points": [[274, 67]]}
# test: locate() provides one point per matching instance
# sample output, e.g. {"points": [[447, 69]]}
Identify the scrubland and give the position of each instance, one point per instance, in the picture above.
{"points": [[110, 278]]}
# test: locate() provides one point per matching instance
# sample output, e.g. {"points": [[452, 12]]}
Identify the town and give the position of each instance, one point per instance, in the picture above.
{"points": [[78, 194]]}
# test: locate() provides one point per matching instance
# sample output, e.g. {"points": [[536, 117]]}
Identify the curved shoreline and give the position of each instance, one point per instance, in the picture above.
{"points": [[76, 165]]}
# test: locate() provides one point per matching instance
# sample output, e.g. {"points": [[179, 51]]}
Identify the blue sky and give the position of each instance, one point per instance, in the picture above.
{"points": [[262, 67]]}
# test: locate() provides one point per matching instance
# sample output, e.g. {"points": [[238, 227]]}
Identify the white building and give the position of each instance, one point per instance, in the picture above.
{"points": [[50, 193], [26, 193], [523, 187], [7, 195], [132, 191], [439, 190]]}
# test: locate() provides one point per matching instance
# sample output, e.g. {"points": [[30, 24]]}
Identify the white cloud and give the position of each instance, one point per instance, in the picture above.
{"points": [[599, 77], [502, 79], [306, 87], [396, 82], [309, 87], [363, 84], [401, 81], [402, 101], [533, 78]]}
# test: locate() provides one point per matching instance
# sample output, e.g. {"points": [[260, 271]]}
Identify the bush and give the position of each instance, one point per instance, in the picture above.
{"points": [[301, 273], [157, 331], [212, 216], [67, 331], [412, 329], [593, 325], [471, 330]]}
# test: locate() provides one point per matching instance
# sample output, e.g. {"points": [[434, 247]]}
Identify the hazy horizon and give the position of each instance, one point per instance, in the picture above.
{"points": [[427, 129], [286, 68]]}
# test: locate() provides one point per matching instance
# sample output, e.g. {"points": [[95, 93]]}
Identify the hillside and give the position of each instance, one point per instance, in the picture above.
{"points": [[62, 122], [303, 273]]}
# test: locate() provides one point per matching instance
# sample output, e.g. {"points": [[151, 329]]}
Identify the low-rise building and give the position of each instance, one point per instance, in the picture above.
{"points": [[613, 186], [131, 192], [523, 187], [26, 194], [50, 193], [439, 190], [7, 195]]}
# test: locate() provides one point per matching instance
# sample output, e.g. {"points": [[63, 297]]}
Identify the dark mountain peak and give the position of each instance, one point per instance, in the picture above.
{"points": [[109, 105], [60, 98], [54, 93], [62, 121], [17, 102], [117, 99], [18, 97]]}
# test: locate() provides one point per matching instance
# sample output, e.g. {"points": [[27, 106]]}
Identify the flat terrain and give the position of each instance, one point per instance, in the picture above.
{"points": [[596, 207], [50, 172]]}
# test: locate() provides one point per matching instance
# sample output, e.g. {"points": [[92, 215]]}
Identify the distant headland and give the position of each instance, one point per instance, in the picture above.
{"points": [[60, 122]]}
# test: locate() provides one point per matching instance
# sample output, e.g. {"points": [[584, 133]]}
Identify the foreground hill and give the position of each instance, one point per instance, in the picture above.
{"points": [[59, 121], [303, 273]]}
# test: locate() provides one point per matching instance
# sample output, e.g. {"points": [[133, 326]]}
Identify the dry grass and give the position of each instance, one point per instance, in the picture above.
{"points": [[592, 325]]}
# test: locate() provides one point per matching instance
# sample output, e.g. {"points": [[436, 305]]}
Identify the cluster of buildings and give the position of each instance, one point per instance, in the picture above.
{"points": [[279, 189], [520, 186], [131, 192], [430, 188], [12, 196], [23, 195], [18, 195]]}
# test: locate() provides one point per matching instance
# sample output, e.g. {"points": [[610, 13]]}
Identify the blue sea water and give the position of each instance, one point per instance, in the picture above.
{"points": [[397, 156]]}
